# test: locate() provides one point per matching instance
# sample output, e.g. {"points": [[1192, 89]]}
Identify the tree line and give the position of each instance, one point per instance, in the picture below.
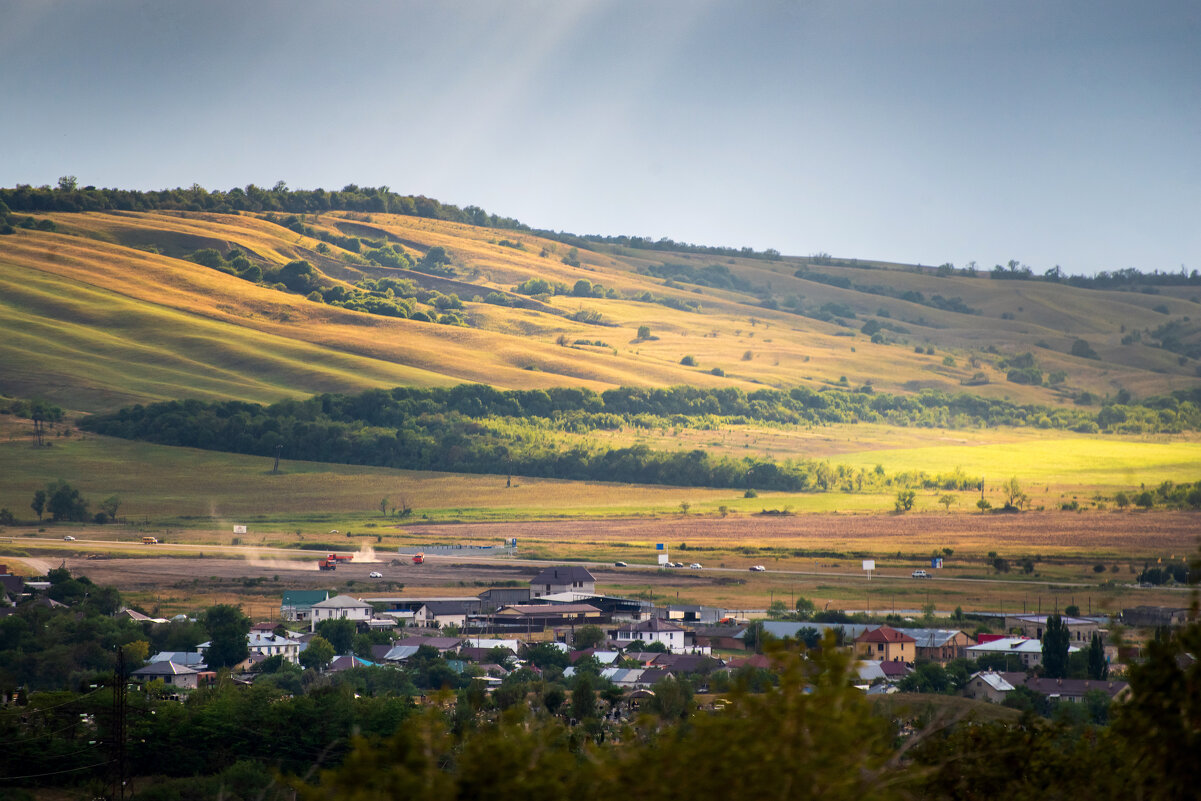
{"points": [[474, 428]]}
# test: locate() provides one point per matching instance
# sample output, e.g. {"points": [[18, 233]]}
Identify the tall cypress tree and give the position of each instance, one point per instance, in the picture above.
{"points": [[1056, 639], [1097, 666]]}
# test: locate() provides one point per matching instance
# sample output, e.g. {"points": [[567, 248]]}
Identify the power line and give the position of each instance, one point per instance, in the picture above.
{"points": [[54, 772], [25, 710]]}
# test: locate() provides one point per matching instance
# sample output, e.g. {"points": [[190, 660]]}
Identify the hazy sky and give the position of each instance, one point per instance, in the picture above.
{"points": [[1049, 132]]}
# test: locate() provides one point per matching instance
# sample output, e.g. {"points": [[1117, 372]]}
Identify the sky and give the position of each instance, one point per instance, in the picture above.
{"points": [[923, 131]]}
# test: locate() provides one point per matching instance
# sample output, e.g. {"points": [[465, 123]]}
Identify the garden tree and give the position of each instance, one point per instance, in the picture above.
{"points": [[947, 500], [227, 629], [1013, 491], [554, 698], [583, 698], [777, 610], [1098, 668], [39, 503], [545, 655], [1056, 640], [927, 677], [1121, 500], [110, 505], [1144, 500], [338, 633], [805, 609], [644, 332], [318, 654], [672, 699], [905, 501], [64, 502], [983, 505], [754, 636], [588, 637]]}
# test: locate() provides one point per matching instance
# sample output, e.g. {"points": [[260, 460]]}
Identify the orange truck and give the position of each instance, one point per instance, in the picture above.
{"points": [[336, 559], [419, 559]]}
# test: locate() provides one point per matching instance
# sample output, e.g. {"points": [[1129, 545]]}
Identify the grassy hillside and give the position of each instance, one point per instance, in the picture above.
{"points": [[106, 311]]}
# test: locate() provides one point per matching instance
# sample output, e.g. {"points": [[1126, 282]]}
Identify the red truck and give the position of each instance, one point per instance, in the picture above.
{"points": [[336, 559], [326, 564], [419, 559]]}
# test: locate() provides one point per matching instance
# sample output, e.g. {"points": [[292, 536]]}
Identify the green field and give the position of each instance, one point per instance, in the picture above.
{"points": [[164, 482], [1058, 462]]}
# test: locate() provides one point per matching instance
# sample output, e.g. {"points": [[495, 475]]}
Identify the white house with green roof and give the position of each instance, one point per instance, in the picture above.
{"points": [[298, 604]]}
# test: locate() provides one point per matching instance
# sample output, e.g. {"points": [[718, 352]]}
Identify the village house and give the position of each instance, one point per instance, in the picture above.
{"points": [[1029, 652], [562, 578], [535, 617], [995, 686], [1149, 617], [885, 644], [269, 644], [649, 631], [938, 645], [988, 685], [1080, 630], [171, 674], [439, 614], [496, 597], [297, 604], [724, 638], [340, 607]]}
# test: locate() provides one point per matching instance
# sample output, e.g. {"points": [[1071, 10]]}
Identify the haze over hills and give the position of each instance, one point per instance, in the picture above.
{"points": [[100, 309]]}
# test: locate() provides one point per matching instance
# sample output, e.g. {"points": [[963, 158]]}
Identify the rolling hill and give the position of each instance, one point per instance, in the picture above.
{"points": [[107, 309]]}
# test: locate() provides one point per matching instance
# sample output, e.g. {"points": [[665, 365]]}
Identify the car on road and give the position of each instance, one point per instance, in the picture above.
{"points": [[620, 564], [695, 566], [68, 538], [758, 569], [920, 574], [375, 574]]}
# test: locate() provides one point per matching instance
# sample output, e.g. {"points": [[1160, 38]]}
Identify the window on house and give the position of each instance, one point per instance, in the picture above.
{"points": [[880, 647]]}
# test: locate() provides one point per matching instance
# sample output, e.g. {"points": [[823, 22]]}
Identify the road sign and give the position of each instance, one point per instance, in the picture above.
{"points": [[239, 529]]}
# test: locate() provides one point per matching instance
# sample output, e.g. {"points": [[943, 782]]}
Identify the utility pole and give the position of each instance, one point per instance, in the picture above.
{"points": [[118, 731], [278, 449]]}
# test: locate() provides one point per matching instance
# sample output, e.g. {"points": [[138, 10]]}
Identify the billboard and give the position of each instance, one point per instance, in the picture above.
{"points": [[869, 564], [239, 529], [936, 562], [662, 558], [659, 546]]}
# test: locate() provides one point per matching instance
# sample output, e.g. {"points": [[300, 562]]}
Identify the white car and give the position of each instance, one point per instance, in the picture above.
{"points": [[920, 574], [758, 569], [375, 574], [68, 538], [695, 566]]}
